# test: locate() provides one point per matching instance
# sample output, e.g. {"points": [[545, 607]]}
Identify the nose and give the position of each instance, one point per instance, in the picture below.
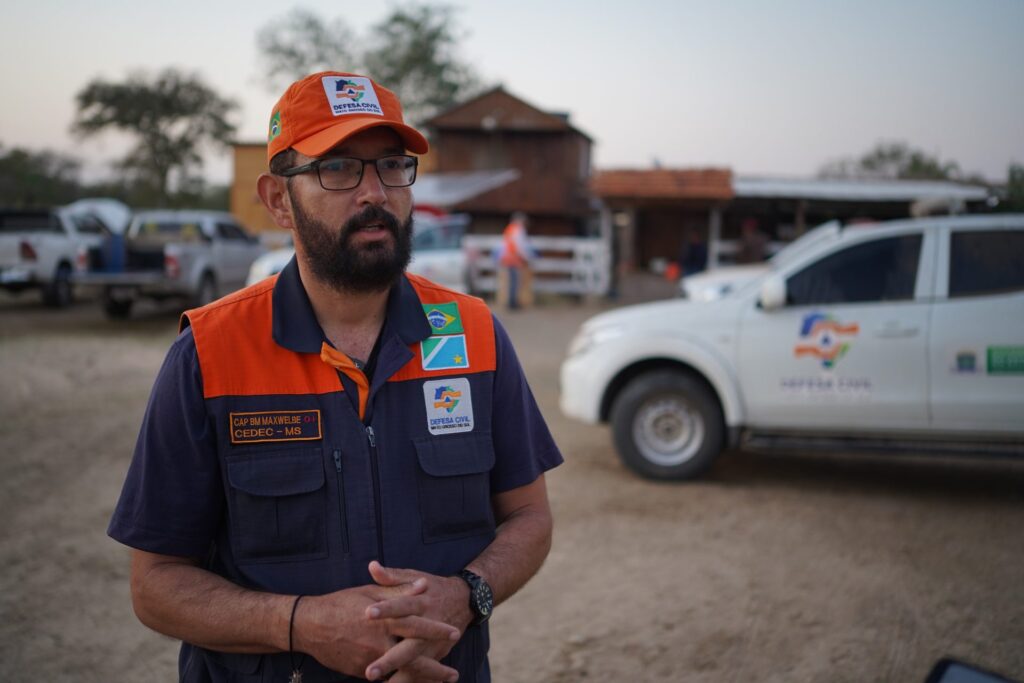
{"points": [[370, 189]]}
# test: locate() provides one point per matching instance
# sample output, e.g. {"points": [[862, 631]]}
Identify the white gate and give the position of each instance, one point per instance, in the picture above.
{"points": [[565, 265]]}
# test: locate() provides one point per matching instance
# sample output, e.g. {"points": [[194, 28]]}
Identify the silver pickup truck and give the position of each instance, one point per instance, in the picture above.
{"points": [[191, 255], [39, 249]]}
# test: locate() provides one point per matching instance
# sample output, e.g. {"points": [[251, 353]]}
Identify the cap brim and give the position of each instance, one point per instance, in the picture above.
{"points": [[325, 140]]}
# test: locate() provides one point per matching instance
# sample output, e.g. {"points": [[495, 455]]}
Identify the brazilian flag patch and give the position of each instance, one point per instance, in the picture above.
{"points": [[275, 126], [444, 318]]}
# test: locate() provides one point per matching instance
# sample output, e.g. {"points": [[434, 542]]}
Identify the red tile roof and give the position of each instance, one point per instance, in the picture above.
{"points": [[664, 183]]}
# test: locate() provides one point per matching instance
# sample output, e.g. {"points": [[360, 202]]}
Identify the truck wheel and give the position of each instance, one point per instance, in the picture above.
{"points": [[117, 309], [667, 425], [58, 294], [206, 292]]}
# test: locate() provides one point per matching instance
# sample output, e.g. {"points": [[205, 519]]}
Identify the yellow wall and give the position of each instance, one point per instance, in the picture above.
{"points": [[250, 160]]}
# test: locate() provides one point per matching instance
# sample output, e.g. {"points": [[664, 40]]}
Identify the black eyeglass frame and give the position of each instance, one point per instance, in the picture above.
{"points": [[315, 166]]}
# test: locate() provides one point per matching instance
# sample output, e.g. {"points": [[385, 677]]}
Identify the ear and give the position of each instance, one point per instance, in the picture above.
{"points": [[273, 192]]}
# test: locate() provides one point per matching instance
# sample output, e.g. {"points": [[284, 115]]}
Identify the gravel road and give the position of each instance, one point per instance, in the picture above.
{"points": [[773, 568]]}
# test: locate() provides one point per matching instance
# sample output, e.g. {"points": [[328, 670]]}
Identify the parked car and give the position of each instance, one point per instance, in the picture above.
{"points": [[40, 250], [191, 255], [437, 251], [907, 334]]}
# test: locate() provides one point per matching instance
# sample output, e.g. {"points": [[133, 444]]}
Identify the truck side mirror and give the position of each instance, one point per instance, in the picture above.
{"points": [[773, 293]]}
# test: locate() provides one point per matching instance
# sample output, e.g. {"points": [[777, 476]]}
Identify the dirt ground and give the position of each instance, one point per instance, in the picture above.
{"points": [[773, 568]]}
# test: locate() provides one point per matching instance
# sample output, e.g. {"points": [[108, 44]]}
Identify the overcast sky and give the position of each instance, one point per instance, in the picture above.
{"points": [[768, 88]]}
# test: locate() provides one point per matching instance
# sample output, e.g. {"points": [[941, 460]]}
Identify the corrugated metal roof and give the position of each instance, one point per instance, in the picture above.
{"points": [[448, 189], [856, 190], [709, 183]]}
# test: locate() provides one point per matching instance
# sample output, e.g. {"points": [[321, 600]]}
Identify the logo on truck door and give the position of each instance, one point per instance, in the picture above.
{"points": [[824, 338]]}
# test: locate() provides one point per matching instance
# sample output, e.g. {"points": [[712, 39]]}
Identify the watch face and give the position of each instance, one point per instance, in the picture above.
{"points": [[484, 599]]}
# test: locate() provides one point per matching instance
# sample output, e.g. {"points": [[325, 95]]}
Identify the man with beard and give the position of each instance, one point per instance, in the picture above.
{"points": [[341, 469]]}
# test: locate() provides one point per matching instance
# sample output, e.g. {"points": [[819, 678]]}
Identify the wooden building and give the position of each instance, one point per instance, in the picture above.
{"points": [[651, 211], [497, 131]]}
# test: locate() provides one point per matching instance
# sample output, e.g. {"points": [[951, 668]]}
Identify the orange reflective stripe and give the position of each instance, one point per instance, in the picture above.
{"points": [[339, 361], [238, 355]]}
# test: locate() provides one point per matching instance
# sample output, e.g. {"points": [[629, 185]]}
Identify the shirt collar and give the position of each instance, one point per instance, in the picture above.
{"points": [[295, 326]]}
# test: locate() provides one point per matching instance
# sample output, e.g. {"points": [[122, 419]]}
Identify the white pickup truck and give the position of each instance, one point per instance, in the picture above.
{"points": [[40, 250], [907, 335], [192, 255]]}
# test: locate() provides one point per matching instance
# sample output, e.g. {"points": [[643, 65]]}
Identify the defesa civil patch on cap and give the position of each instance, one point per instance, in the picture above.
{"points": [[449, 406], [351, 95]]}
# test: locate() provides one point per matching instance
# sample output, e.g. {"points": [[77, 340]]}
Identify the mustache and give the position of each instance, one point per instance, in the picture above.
{"points": [[368, 216]]}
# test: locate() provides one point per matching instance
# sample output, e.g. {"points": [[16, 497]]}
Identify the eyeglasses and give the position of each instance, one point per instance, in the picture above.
{"points": [[345, 173]]}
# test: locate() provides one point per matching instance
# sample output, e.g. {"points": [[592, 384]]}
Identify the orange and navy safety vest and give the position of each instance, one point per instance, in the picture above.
{"points": [[325, 469]]}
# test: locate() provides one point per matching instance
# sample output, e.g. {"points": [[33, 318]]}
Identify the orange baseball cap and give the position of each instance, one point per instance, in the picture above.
{"points": [[324, 108]]}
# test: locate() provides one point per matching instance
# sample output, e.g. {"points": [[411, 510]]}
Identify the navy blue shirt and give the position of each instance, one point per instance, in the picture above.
{"points": [[295, 491]]}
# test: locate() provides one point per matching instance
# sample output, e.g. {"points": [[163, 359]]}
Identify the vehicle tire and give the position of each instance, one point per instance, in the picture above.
{"points": [[206, 292], [59, 294], [117, 309], [667, 425]]}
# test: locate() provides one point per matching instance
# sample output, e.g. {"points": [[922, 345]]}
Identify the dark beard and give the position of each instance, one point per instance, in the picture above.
{"points": [[335, 262]]}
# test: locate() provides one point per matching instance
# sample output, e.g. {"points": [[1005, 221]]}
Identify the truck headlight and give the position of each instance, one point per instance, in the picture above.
{"points": [[587, 338]]}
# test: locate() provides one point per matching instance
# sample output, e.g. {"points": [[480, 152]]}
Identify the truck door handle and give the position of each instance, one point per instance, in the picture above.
{"points": [[896, 331]]}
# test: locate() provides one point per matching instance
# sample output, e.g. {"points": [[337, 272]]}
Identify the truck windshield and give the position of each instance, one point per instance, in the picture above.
{"points": [[821, 233]]}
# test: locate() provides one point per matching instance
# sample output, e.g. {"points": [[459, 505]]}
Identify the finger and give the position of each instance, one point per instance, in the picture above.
{"points": [[392, 576], [425, 670], [421, 627], [405, 606], [408, 660]]}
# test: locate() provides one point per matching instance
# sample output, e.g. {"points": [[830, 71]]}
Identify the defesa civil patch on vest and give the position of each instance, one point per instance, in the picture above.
{"points": [[449, 406], [275, 425]]}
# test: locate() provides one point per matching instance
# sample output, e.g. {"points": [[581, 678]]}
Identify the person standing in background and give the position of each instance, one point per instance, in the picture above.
{"points": [[514, 256]]}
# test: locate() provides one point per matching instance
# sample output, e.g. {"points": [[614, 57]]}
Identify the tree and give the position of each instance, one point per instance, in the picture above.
{"points": [[302, 43], [893, 160], [173, 116], [37, 178], [414, 54]]}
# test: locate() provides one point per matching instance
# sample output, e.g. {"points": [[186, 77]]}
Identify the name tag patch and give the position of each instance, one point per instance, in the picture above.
{"points": [[275, 425], [449, 406]]}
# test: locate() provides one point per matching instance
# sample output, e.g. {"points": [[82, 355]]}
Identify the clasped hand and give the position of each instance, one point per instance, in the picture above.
{"points": [[403, 625]]}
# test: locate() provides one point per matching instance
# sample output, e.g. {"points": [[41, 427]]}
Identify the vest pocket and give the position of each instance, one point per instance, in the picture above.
{"points": [[454, 485], [277, 505]]}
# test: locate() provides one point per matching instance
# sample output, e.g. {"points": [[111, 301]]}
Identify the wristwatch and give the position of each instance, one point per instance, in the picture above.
{"points": [[481, 599]]}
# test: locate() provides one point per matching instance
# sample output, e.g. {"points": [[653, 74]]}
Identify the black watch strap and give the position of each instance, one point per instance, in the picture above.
{"points": [[481, 599]]}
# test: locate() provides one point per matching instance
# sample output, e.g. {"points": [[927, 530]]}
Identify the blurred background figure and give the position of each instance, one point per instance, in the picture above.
{"points": [[752, 243], [514, 256], [693, 256]]}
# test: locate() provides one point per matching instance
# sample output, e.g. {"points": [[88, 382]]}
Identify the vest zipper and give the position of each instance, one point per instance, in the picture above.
{"points": [[376, 492], [342, 517]]}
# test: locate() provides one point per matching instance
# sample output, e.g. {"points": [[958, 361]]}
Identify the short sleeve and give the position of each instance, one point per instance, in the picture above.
{"points": [[173, 500], [523, 445]]}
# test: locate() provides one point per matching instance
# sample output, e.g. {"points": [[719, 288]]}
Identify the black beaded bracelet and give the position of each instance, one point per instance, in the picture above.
{"points": [[296, 669]]}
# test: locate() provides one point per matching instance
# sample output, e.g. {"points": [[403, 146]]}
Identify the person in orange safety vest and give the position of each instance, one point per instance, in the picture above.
{"points": [[514, 256]]}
